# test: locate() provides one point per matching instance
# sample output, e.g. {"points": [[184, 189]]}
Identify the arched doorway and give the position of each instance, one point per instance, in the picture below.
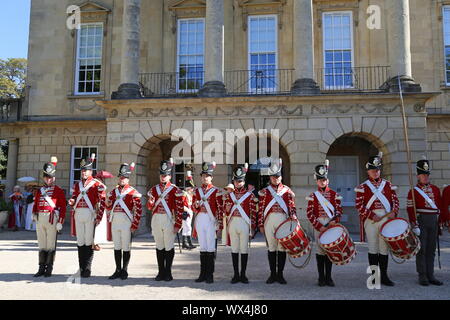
{"points": [[260, 158]]}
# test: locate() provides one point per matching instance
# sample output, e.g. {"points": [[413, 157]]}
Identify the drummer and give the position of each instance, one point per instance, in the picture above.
{"points": [[376, 202], [324, 209], [426, 220], [271, 215]]}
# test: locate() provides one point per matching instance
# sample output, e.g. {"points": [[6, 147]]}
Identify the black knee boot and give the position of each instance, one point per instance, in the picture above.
{"points": [[383, 261], [281, 258], [42, 260], [126, 261], [185, 246], [373, 262], [49, 263], [328, 266], [160, 254], [81, 258], [202, 276], [210, 267], [235, 259], [89, 256], [168, 265], [273, 266], [244, 259], [321, 269], [118, 260], [189, 240]]}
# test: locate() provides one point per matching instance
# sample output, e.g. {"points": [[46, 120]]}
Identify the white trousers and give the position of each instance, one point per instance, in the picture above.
{"points": [[162, 230], [84, 224], [46, 232], [323, 221], [375, 241], [187, 227], [100, 236], [273, 220], [239, 235], [206, 231], [121, 231]]}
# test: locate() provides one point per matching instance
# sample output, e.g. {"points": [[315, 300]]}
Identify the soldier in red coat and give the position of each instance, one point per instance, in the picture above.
{"points": [[376, 202], [124, 213], [324, 209], [207, 205], [49, 212], [239, 206], [426, 219], [446, 204], [88, 203], [276, 204], [164, 204]]}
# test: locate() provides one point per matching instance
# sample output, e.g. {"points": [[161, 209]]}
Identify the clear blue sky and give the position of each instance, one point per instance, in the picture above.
{"points": [[14, 23]]}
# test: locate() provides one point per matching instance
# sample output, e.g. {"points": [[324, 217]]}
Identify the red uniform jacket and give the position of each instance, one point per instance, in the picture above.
{"points": [[133, 202], [173, 200], [422, 206], [265, 197], [363, 195], [16, 198], [249, 206], [215, 202], [446, 203], [97, 196], [315, 209], [59, 199]]}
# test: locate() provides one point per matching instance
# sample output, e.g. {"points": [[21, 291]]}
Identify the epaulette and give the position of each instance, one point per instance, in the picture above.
{"points": [[339, 198], [255, 199], [359, 190], [261, 193], [309, 198], [394, 187]]}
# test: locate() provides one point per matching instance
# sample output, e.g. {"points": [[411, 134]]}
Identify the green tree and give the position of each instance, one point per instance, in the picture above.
{"points": [[3, 158], [12, 78]]}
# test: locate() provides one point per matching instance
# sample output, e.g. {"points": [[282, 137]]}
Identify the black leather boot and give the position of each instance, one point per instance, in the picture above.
{"points": [[160, 254], [273, 266], [118, 260], [210, 267], [189, 240], [126, 261], [281, 259], [321, 269], [235, 259], [328, 266], [42, 260], [202, 276], [244, 259], [185, 246], [88, 261], [383, 261], [168, 265], [49, 263], [81, 258], [373, 262]]}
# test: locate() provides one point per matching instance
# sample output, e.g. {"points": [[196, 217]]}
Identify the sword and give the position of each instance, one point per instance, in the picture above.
{"points": [[439, 247]]}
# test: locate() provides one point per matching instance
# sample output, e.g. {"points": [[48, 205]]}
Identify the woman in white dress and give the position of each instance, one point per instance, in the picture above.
{"points": [[31, 189]]}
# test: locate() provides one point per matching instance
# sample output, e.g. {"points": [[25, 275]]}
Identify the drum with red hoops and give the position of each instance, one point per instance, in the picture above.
{"points": [[337, 244], [399, 237], [292, 237]]}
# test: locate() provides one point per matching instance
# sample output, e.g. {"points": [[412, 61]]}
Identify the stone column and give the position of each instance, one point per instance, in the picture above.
{"points": [[214, 39], [400, 47], [129, 69], [304, 49], [11, 167]]}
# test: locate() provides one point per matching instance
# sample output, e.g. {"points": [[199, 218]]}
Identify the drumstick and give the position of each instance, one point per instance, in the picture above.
{"points": [[382, 217]]}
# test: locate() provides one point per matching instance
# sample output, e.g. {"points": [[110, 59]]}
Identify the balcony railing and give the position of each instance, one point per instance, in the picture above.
{"points": [[10, 110], [266, 81], [352, 79]]}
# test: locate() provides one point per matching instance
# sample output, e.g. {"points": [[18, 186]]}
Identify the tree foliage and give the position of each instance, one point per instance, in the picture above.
{"points": [[12, 78]]}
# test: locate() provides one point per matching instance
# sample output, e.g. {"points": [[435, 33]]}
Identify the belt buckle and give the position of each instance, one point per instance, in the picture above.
{"points": [[83, 193]]}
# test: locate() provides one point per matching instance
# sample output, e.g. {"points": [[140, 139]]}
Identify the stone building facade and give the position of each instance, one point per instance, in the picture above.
{"points": [[323, 72]]}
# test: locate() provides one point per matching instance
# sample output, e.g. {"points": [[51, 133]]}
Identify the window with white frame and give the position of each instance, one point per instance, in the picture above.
{"points": [[446, 27], [88, 73], [79, 153], [190, 54], [338, 49], [262, 52]]}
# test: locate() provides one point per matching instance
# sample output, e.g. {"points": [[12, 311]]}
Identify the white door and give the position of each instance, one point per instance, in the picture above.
{"points": [[344, 177]]}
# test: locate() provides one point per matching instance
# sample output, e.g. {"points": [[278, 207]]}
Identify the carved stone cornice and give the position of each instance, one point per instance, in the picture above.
{"points": [[254, 7], [186, 9], [342, 5]]}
